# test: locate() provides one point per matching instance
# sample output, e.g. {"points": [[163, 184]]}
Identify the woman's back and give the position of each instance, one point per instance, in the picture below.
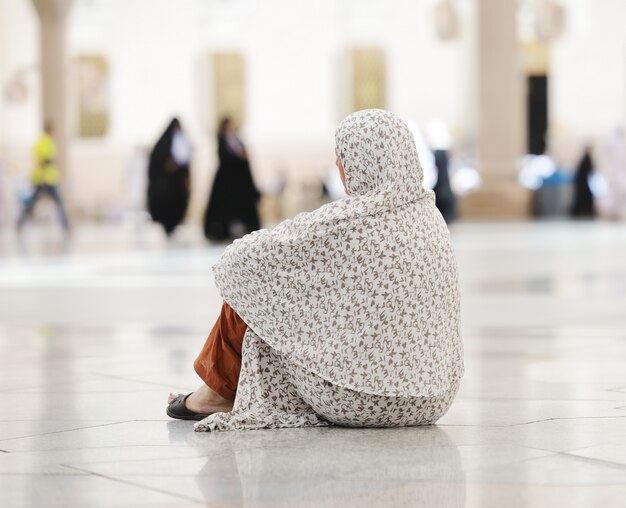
{"points": [[364, 289], [352, 311]]}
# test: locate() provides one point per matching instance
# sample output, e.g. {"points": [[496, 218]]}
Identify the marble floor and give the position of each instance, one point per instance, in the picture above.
{"points": [[97, 328]]}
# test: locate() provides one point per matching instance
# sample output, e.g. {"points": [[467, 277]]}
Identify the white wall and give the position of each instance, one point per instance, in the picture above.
{"points": [[19, 54], [588, 75], [19, 118]]}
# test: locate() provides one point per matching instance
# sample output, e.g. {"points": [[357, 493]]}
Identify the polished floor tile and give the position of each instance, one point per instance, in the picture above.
{"points": [[613, 453], [78, 489], [96, 329]]}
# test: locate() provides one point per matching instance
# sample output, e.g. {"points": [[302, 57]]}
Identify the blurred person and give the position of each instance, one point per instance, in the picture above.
{"points": [[444, 197], [346, 315], [583, 202], [234, 195], [616, 173], [45, 177], [440, 141], [168, 178]]}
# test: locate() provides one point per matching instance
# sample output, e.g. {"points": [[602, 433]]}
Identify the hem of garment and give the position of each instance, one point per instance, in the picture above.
{"points": [[249, 421]]}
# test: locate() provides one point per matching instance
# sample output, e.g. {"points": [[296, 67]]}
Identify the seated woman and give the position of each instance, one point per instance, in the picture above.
{"points": [[347, 315]]}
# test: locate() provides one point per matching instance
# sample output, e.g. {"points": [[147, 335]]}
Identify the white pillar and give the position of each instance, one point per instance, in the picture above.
{"points": [[53, 62], [501, 119]]}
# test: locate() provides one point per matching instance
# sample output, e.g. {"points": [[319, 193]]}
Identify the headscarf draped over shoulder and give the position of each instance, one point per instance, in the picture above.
{"points": [[362, 291]]}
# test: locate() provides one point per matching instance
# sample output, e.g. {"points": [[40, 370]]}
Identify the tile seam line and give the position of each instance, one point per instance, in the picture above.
{"points": [[528, 459], [125, 482], [125, 446], [611, 463], [534, 448], [73, 474], [31, 420], [569, 455], [67, 430], [564, 418], [133, 461], [527, 423]]}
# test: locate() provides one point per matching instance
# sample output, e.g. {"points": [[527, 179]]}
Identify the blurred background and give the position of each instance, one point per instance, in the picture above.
{"points": [[505, 98], [106, 204]]}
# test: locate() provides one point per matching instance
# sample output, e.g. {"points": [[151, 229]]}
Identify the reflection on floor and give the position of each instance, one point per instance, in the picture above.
{"points": [[95, 330]]}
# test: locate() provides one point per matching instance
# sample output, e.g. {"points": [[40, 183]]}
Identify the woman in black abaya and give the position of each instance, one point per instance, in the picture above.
{"points": [[583, 205], [168, 175], [234, 196], [444, 197]]}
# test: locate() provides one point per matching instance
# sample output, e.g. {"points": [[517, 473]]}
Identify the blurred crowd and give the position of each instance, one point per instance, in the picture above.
{"points": [[160, 182]]}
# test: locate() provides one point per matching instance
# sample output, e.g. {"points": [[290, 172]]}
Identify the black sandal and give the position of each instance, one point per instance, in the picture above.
{"points": [[178, 410]]}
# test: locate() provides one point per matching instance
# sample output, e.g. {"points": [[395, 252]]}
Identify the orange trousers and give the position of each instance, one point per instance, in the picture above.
{"points": [[219, 362]]}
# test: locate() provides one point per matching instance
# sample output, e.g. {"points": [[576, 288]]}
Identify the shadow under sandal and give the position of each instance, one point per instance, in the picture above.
{"points": [[177, 409]]}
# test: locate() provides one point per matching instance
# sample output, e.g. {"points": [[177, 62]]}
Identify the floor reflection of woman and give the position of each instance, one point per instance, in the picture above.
{"points": [[233, 196], [358, 469], [168, 178], [346, 315]]}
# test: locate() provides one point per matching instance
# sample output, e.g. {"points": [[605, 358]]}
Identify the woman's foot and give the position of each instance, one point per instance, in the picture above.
{"points": [[205, 401]]}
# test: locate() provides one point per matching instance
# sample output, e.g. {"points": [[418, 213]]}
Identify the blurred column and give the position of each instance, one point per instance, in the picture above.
{"points": [[501, 117], [53, 59]]}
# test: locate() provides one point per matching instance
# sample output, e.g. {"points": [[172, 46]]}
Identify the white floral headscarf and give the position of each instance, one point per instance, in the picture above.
{"points": [[378, 153], [363, 291]]}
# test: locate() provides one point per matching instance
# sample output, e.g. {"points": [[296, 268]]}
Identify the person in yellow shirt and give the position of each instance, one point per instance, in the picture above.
{"points": [[45, 176]]}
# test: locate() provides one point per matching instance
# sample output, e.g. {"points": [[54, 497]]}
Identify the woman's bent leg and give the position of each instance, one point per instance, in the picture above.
{"points": [[219, 362], [266, 398]]}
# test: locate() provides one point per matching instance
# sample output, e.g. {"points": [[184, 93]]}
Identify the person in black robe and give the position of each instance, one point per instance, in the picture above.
{"points": [[168, 178], [583, 205], [234, 195], [444, 197]]}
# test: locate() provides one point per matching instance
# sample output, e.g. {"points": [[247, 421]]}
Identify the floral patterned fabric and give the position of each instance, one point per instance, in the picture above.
{"points": [[357, 299], [276, 393]]}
